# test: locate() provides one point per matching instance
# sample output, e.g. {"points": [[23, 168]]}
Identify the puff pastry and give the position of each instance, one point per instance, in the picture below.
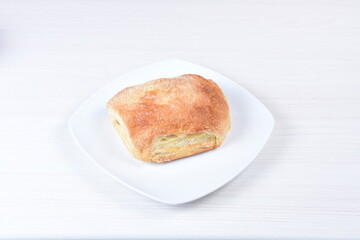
{"points": [[170, 118]]}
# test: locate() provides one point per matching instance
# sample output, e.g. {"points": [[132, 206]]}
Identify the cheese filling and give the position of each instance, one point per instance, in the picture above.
{"points": [[182, 144]]}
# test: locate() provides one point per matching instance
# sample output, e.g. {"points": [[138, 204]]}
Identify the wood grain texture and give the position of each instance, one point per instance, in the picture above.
{"points": [[300, 58]]}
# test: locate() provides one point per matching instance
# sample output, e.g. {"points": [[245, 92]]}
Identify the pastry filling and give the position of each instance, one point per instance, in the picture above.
{"points": [[182, 145]]}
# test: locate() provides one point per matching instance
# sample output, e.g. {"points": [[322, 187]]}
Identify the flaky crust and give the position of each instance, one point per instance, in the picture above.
{"points": [[183, 105]]}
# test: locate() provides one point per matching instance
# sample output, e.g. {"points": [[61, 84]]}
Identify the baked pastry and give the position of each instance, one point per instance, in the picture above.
{"points": [[170, 118]]}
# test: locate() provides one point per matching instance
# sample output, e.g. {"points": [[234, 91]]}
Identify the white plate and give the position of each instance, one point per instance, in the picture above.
{"points": [[186, 179]]}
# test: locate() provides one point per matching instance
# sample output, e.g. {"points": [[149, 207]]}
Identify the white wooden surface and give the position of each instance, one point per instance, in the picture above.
{"points": [[301, 58]]}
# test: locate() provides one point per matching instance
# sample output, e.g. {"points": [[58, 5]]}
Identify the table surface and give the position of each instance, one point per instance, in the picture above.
{"points": [[300, 58]]}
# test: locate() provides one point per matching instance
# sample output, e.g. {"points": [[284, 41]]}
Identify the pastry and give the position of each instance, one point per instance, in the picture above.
{"points": [[170, 118]]}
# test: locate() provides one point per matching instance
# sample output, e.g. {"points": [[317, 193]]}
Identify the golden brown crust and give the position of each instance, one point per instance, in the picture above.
{"points": [[183, 105]]}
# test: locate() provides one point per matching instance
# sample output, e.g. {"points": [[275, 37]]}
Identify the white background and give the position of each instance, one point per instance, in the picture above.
{"points": [[300, 58]]}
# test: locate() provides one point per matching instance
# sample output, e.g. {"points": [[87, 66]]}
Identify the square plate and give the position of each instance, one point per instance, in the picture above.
{"points": [[186, 179]]}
